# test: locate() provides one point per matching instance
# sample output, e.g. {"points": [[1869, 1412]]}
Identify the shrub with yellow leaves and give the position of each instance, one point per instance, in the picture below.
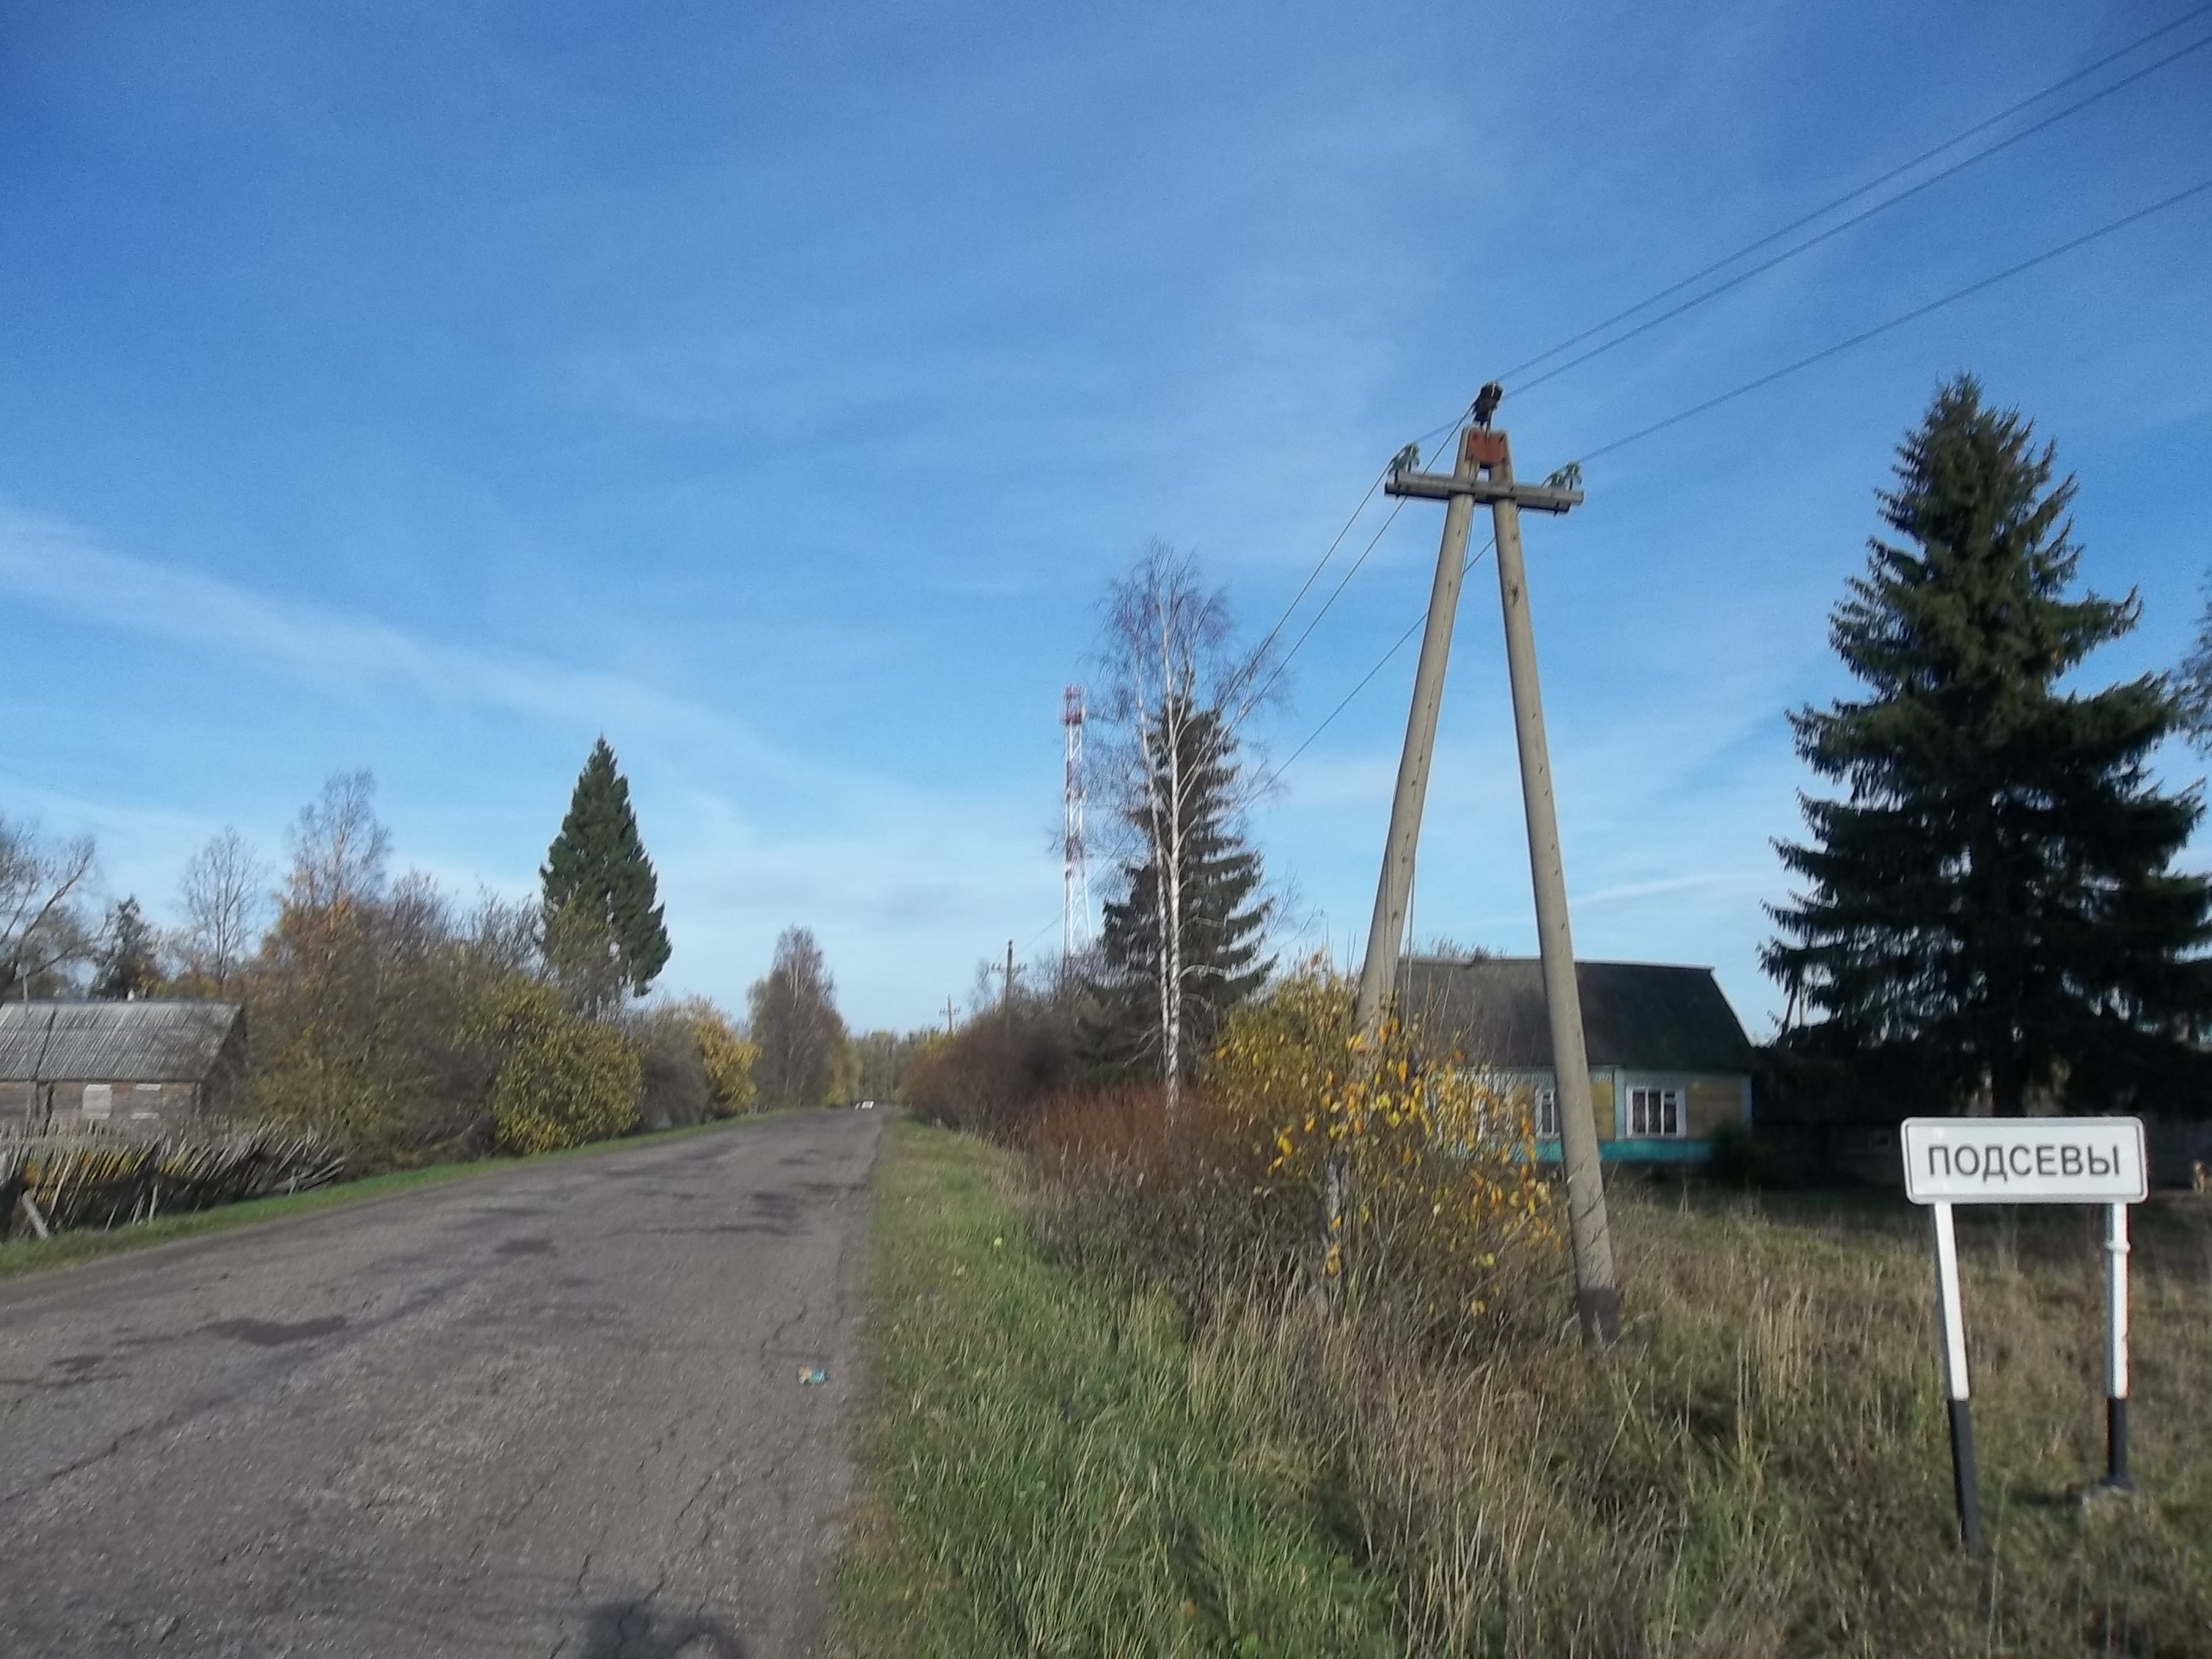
{"points": [[563, 1079], [1439, 1201], [729, 1058]]}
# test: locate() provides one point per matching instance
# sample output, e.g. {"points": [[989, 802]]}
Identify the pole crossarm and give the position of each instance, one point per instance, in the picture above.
{"points": [[1441, 487]]}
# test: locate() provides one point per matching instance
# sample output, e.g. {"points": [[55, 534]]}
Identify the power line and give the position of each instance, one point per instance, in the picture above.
{"points": [[1364, 678], [1826, 352], [1312, 576], [1836, 230], [1285, 662], [1875, 183], [1254, 699], [1897, 322], [1852, 194]]}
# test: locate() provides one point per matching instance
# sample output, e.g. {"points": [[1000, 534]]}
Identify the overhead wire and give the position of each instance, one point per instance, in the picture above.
{"points": [[1876, 183], [1399, 645], [1860, 338], [1900, 320], [1857, 191], [1856, 220], [1259, 655], [1283, 662], [1854, 194]]}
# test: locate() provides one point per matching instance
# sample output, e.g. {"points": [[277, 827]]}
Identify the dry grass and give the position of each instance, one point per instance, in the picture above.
{"points": [[1760, 1469]]}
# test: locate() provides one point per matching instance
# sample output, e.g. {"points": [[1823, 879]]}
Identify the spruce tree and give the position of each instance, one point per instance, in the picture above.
{"points": [[1992, 903], [129, 963], [604, 932], [1224, 917]]}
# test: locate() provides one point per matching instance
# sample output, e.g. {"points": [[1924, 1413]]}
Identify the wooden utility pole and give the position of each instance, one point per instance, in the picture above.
{"points": [[1484, 472], [1006, 996]]}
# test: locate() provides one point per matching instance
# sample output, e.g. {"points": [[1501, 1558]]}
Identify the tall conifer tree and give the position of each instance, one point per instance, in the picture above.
{"points": [[1993, 900], [129, 955], [604, 933], [1223, 914]]}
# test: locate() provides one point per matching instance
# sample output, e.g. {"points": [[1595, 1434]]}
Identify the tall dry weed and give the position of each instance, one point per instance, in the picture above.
{"points": [[1760, 1468]]}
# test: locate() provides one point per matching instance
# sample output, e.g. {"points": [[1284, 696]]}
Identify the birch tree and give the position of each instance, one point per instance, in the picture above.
{"points": [[224, 902], [795, 1024], [1172, 678], [43, 928]]}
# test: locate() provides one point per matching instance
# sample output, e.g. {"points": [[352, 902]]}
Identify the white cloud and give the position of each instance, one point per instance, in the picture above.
{"points": [[904, 885], [66, 568]]}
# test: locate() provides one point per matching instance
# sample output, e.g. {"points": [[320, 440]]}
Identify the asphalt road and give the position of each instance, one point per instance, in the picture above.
{"points": [[553, 1410]]}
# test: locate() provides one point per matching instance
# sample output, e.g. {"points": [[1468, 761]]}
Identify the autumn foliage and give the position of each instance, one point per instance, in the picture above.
{"points": [[564, 1079], [728, 1057], [1436, 1169], [1444, 1220]]}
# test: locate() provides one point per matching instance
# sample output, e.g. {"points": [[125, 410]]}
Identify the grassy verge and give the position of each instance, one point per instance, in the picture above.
{"points": [[1052, 1469], [25, 1254], [1059, 1462]]}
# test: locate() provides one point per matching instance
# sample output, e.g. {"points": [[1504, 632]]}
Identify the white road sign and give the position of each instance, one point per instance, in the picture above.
{"points": [[2025, 1160]]}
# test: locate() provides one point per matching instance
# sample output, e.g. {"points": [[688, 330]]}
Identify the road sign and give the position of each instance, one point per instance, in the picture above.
{"points": [[2032, 1160], [2025, 1160]]}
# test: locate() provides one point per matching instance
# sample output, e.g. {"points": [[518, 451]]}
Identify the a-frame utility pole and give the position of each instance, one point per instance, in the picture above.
{"points": [[1484, 472]]}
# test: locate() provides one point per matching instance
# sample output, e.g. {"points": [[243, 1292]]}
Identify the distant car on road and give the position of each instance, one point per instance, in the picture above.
{"points": [[864, 1105]]}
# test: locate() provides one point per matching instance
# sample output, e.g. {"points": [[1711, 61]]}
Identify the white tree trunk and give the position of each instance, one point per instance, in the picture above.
{"points": [[1167, 648]]}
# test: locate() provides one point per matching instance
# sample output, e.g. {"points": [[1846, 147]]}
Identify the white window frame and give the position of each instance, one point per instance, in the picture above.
{"points": [[1545, 1110], [1658, 1097], [106, 1095]]}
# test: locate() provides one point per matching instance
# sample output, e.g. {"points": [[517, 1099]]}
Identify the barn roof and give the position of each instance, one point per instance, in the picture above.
{"points": [[1648, 1015], [113, 1042]]}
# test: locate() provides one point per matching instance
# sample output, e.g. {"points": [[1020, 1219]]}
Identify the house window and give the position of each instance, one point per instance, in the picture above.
{"points": [[1547, 1114], [98, 1101], [1655, 1114], [145, 1100]]}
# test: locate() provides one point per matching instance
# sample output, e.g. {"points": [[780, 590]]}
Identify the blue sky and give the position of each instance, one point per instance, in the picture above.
{"points": [[775, 388]]}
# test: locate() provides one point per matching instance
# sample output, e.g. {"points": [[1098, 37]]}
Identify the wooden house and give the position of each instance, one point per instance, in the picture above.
{"points": [[1668, 1061], [142, 1068]]}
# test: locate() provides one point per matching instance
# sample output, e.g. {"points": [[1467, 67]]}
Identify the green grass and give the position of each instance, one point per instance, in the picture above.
{"points": [[1051, 1468], [1058, 1463], [27, 1254]]}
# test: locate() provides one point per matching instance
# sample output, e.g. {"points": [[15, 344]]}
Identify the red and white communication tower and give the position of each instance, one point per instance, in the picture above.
{"points": [[1074, 863]]}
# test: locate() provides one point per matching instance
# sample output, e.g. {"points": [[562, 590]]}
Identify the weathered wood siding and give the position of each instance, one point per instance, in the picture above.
{"points": [[141, 1107]]}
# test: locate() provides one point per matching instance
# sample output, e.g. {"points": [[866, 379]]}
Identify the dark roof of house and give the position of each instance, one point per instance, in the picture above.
{"points": [[1647, 1015], [113, 1042]]}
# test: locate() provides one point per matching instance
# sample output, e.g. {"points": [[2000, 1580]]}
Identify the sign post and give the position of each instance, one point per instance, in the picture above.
{"points": [[2034, 1160], [1951, 1332], [2116, 1349]]}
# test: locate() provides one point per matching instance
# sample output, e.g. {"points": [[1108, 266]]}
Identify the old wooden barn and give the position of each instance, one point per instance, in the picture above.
{"points": [[138, 1067]]}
